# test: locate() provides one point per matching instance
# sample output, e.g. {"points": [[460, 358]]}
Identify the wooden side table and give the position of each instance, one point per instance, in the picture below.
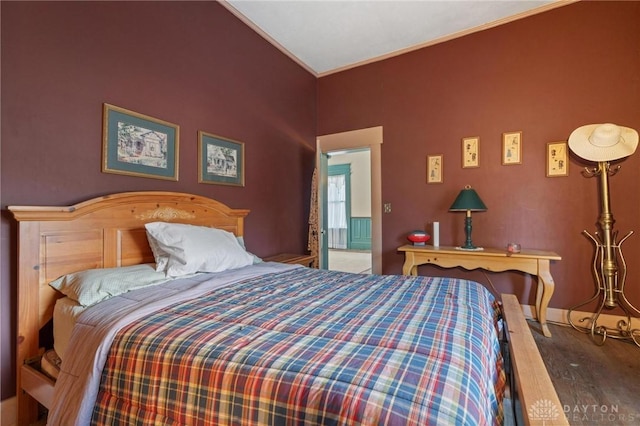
{"points": [[534, 262], [300, 259]]}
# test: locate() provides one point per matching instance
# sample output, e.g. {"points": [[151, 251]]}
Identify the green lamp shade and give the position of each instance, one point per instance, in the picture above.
{"points": [[468, 199]]}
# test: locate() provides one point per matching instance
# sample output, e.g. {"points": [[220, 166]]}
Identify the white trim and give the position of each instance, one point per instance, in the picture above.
{"points": [[8, 412], [560, 316]]}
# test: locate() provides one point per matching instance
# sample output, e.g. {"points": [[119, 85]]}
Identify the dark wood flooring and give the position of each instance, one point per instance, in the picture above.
{"points": [[597, 385]]}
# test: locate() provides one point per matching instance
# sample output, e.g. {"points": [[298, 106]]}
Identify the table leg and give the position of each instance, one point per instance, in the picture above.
{"points": [[409, 267], [543, 294], [539, 293]]}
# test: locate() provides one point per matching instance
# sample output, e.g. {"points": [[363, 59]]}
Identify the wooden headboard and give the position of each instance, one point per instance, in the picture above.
{"points": [[102, 232]]}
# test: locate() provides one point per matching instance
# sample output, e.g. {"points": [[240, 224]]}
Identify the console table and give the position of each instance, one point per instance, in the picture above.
{"points": [[534, 262]]}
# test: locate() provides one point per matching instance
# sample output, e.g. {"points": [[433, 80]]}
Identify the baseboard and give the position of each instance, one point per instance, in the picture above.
{"points": [[560, 316], [8, 412]]}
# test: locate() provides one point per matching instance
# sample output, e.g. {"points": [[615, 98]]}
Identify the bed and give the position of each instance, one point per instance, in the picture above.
{"points": [[388, 350]]}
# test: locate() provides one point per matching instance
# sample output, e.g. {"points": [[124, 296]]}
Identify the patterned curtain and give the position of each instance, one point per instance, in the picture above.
{"points": [[314, 227]]}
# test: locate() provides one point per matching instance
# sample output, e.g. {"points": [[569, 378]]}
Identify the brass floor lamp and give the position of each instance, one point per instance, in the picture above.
{"points": [[604, 143]]}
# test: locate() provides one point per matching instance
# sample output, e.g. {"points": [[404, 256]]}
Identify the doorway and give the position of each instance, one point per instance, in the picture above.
{"points": [[349, 211], [369, 140]]}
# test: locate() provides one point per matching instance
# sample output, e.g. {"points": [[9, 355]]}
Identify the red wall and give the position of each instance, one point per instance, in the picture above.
{"points": [[189, 63], [544, 75]]}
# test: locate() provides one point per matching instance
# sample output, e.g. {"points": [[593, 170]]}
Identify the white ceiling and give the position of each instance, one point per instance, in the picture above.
{"points": [[327, 36]]}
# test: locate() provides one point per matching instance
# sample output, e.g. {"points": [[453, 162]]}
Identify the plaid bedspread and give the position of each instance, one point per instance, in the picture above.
{"points": [[311, 347]]}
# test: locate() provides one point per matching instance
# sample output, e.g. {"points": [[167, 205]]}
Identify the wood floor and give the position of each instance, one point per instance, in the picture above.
{"points": [[597, 385]]}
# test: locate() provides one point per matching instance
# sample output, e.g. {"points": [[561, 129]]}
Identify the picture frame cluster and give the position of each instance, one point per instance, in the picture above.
{"points": [[139, 145], [557, 156]]}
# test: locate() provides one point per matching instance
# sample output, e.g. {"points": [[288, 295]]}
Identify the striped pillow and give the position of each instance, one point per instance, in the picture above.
{"points": [[95, 285]]}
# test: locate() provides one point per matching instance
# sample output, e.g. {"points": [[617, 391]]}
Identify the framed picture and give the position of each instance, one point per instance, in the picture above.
{"points": [[220, 160], [557, 159], [470, 152], [512, 148], [138, 145], [434, 168]]}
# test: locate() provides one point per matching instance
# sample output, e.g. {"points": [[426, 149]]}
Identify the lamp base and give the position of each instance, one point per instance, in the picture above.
{"points": [[470, 248]]}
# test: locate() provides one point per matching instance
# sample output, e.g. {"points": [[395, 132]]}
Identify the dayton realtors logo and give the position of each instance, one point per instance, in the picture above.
{"points": [[548, 413], [599, 414]]}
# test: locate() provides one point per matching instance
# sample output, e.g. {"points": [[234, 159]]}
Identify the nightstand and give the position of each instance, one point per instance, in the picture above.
{"points": [[300, 259]]}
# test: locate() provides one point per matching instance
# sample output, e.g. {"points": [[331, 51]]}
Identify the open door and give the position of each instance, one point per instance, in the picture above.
{"points": [[322, 201]]}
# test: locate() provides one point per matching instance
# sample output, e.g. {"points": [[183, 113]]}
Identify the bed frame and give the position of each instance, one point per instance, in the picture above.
{"points": [[109, 231]]}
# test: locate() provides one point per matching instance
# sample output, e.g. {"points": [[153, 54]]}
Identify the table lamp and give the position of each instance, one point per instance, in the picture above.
{"points": [[468, 201]]}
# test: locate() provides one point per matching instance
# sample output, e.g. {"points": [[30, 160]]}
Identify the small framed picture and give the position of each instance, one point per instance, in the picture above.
{"points": [[138, 145], [557, 159], [511, 148], [220, 160], [470, 152], [434, 168]]}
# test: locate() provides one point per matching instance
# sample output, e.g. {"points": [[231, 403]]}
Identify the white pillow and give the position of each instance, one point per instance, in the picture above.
{"points": [[159, 255], [162, 258], [190, 249], [94, 285]]}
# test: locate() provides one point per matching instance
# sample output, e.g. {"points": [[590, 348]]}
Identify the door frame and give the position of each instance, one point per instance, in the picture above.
{"points": [[363, 138]]}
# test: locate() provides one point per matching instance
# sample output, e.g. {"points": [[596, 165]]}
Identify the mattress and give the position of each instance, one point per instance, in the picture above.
{"points": [[65, 315], [287, 346]]}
